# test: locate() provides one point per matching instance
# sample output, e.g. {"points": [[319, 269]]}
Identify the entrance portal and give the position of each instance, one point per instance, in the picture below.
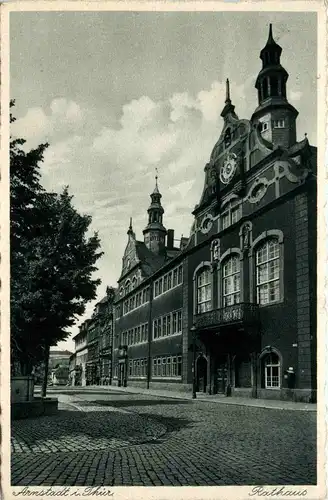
{"points": [[221, 376], [201, 371]]}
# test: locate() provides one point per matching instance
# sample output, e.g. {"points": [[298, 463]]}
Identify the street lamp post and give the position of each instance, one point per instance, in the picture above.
{"points": [[193, 331]]}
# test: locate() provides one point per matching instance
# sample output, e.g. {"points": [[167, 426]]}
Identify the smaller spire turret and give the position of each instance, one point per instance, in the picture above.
{"points": [[130, 230], [228, 100], [155, 232]]}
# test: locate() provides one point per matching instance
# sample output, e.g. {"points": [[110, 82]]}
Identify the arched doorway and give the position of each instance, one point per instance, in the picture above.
{"points": [[201, 372]]}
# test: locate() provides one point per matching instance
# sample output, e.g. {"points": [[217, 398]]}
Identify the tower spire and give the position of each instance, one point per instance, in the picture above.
{"points": [[229, 108], [155, 232], [130, 230], [273, 107], [228, 100], [156, 190]]}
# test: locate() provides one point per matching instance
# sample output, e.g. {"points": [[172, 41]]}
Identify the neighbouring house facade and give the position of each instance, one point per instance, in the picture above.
{"points": [[99, 339], [235, 303], [78, 376], [106, 336], [58, 369]]}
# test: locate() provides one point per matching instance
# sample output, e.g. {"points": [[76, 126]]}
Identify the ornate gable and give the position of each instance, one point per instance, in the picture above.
{"points": [[130, 257]]}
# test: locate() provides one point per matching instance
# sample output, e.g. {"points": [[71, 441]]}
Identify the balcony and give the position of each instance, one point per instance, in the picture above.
{"points": [[238, 314]]}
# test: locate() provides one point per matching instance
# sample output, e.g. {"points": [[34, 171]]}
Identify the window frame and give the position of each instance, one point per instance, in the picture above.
{"points": [[225, 278], [270, 366], [207, 285], [229, 208], [257, 242]]}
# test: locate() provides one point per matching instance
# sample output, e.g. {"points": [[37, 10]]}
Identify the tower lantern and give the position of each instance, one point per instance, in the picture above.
{"points": [[155, 232], [275, 116]]}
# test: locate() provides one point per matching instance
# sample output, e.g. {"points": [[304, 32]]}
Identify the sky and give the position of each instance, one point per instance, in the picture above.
{"points": [[120, 94]]}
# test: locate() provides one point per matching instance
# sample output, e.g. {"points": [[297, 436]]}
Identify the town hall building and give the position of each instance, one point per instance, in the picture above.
{"points": [[232, 308]]}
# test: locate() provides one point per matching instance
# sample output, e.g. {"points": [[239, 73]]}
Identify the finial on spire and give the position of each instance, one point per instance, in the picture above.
{"points": [[156, 191], [227, 91], [130, 230]]}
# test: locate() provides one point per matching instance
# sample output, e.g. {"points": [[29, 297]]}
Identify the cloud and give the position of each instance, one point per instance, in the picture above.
{"points": [[295, 95], [111, 170], [37, 125]]}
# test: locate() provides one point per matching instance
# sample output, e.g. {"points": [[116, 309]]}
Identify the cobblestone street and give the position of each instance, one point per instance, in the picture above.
{"points": [[113, 438]]}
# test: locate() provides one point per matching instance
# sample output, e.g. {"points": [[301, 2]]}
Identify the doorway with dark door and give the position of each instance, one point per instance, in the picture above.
{"points": [[221, 374], [201, 372]]}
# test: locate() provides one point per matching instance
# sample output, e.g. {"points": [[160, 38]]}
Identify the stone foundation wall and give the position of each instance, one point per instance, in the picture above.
{"points": [[297, 395], [36, 408]]}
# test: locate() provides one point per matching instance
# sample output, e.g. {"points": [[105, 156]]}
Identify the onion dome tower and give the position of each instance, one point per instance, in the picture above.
{"points": [[275, 116], [155, 232]]}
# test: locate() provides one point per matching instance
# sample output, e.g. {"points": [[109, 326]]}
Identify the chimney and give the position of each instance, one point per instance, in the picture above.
{"points": [[170, 239]]}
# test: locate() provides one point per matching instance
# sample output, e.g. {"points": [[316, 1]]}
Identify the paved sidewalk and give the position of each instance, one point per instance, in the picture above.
{"points": [[217, 398]]}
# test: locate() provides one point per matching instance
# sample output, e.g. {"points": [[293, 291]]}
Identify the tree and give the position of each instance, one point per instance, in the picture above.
{"points": [[52, 260]]}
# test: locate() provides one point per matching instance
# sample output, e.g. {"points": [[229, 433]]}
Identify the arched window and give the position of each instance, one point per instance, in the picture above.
{"points": [[231, 213], [204, 291], [268, 272], [271, 365], [231, 281]]}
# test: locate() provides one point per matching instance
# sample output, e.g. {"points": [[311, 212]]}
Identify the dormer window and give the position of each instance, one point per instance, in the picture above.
{"points": [[278, 123]]}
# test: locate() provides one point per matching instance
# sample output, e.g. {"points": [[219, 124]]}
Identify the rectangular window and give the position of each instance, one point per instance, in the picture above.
{"points": [[179, 362], [168, 324], [169, 281], [165, 284], [267, 272], [174, 366], [163, 367], [179, 321], [130, 368], [175, 324], [159, 327], [225, 220], [175, 277], [164, 326], [168, 367], [279, 123], [160, 286], [155, 329]]}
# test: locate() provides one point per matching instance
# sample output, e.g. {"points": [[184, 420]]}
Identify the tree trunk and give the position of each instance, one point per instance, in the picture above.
{"points": [[46, 369]]}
